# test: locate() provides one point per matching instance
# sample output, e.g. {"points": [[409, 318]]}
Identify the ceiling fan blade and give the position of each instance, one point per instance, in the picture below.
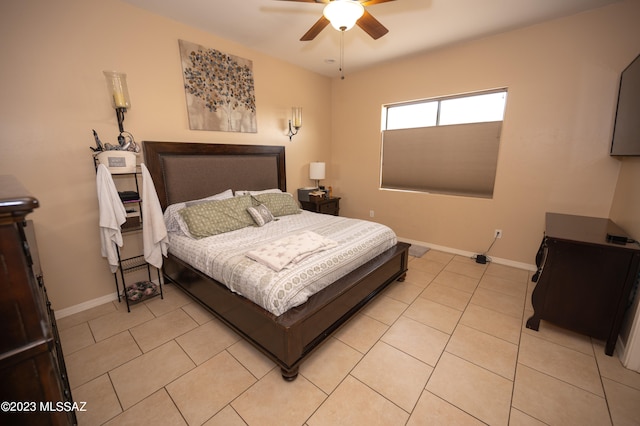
{"points": [[371, 26], [315, 29], [371, 2]]}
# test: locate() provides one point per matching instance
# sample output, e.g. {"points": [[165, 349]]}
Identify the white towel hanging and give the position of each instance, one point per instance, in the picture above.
{"points": [[112, 216], [154, 230]]}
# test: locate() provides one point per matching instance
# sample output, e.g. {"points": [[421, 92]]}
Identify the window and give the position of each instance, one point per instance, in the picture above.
{"points": [[447, 145]]}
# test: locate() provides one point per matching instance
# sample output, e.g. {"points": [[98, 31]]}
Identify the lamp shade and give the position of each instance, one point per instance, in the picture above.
{"points": [[343, 14], [117, 87], [316, 171]]}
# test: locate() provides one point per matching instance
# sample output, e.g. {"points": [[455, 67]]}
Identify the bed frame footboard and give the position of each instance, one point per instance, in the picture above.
{"points": [[291, 337]]}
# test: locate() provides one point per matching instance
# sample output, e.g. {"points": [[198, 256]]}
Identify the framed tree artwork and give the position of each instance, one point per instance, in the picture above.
{"points": [[219, 89]]}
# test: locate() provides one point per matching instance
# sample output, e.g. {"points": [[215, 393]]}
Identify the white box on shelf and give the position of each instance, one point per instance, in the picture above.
{"points": [[118, 161]]}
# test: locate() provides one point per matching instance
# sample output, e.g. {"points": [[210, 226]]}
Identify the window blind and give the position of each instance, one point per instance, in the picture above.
{"points": [[458, 159]]}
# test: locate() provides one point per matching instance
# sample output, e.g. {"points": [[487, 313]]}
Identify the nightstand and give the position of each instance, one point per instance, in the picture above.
{"points": [[322, 205]]}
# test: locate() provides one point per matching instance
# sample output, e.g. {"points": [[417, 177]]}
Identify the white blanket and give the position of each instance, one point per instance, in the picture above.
{"points": [[112, 216], [154, 231], [290, 250]]}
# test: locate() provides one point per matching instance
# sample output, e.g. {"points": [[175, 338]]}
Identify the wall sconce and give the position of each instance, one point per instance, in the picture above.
{"points": [[316, 172], [117, 86], [295, 122]]}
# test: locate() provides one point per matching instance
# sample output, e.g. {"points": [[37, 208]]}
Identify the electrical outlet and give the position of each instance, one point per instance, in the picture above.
{"points": [[372, 213], [497, 233]]}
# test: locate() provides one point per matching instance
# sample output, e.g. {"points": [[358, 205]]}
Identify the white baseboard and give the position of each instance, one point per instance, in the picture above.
{"points": [[498, 260], [90, 304], [85, 305]]}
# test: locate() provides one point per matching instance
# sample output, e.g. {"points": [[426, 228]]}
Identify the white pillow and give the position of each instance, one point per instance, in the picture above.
{"points": [[174, 221], [264, 191]]}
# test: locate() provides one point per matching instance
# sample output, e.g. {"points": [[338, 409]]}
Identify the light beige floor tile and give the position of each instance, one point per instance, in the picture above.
{"points": [[395, 375], [447, 296], [490, 352], [207, 340], [355, 404], [269, 402], [419, 277], [477, 391], [434, 314], [499, 302], [438, 256], [361, 332], [432, 410], [624, 403], [557, 361], [113, 323], [561, 336], [467, 267], [503, 285], [252, 359], [330, 364], [482, 344], [95, 360], [173, 298], [198, 313], [426, 264], [508, 272], [457, 281], [555, 402], [206, 389], [403, 291], [157, 409], [146, 374], [76, 338], [101, 401], [518, 418], [492, 322], [611, 368], [385, 309], [418, 340], [160, 330], [84, 316], [226, 417]]}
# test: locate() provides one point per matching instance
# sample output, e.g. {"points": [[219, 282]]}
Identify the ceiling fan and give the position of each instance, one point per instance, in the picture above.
{"points": [[343, 15]]}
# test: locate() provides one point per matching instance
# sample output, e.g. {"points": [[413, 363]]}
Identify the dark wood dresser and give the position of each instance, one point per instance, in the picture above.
{"points": [[34, 389], [584, 280]]}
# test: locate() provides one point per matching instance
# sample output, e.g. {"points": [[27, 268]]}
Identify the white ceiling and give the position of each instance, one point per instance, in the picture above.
{"points": [[274, 27]]}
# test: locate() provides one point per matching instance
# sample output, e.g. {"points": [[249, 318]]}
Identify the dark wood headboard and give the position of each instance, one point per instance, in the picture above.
{"points": [[184, 171]]}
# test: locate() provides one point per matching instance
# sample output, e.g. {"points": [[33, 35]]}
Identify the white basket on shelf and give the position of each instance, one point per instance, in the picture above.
{"points": [[118, 161]]}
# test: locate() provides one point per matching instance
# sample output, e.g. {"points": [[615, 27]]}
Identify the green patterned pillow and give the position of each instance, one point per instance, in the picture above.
{"points": [[279, 204], [216, 217]]}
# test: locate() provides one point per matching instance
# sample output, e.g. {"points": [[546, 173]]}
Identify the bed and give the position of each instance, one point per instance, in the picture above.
{"points": [[184, 171]]}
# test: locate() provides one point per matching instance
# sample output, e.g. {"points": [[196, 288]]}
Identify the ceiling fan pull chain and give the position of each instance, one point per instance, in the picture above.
{"points": [[342, 55]]}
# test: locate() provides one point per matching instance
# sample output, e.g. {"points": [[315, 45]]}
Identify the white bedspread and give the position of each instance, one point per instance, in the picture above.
{"points": [[224, 257]]}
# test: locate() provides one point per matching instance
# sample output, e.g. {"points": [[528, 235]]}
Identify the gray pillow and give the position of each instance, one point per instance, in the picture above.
{"points": [[260, 214]]}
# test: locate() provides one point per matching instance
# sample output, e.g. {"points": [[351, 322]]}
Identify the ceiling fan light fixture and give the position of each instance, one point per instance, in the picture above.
{"points": [[343, 14]]}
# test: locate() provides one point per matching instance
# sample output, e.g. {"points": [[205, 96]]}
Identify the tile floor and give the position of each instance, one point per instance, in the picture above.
{"points": [[446, 346]]}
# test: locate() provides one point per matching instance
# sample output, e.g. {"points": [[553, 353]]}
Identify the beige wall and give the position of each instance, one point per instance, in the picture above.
{"points": [[562, 78], [54, 93], [625, 210]]}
